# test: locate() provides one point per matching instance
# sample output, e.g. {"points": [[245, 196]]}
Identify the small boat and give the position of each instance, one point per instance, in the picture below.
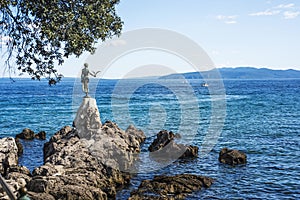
{"points": [[204, 85]]}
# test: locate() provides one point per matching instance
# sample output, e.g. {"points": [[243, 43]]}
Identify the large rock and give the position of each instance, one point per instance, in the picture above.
{"points": [[116, 148], [8, 154], [170, 187], [26, 134], [164, 147], [88, 162], [15, 176], [232, 156], [71, 172], [87, 120]]}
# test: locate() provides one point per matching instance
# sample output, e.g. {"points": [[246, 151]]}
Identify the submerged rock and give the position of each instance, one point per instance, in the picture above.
{"points": [[164, 147], [232, 157], [170, 187]]}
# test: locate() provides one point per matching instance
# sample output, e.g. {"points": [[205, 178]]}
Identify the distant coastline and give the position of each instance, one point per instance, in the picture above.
{"points": [[239, 73]]}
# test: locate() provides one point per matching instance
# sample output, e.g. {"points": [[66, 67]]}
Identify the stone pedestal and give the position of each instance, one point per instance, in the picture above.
{"points": [[87, 120]]}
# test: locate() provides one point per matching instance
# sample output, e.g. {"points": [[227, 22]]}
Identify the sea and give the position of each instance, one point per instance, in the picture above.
{"points": [[258, 117]]}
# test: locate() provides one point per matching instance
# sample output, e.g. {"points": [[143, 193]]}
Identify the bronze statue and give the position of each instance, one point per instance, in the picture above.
{"points": [[85, 78]]}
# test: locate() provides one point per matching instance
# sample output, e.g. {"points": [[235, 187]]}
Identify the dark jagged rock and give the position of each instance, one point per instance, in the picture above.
{"points": [[26, 134], [41, 135], [170, 187], [164, 147], [232, 157], [19, 146], [190, 152], [163, 138]]}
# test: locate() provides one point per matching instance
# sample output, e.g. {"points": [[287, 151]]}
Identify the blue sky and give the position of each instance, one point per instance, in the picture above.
{"points": [[261, 33], [257, 33]]}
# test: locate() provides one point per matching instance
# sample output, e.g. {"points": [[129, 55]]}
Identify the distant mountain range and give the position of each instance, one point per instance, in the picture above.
{"points": [[239, 73]]}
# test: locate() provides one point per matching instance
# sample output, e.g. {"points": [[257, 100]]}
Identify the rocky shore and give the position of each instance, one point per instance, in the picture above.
{"points": [[92, 160]]}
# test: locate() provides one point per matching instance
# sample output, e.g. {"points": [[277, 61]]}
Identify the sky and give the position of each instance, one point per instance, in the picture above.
{"points": [[260, 33], [233, 33]]}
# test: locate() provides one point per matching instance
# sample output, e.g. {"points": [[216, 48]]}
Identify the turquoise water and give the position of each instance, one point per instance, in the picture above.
{"points": [[262, 119]]}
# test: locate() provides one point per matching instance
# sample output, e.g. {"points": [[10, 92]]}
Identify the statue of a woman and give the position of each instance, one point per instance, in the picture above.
{"points": [[85, 78]]}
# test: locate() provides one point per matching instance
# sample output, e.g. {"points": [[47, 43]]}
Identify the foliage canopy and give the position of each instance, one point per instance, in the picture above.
{"points": [[41, 34]]}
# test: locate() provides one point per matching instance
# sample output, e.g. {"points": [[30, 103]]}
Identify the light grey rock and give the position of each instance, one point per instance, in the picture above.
{"points": [[136, 133], [117, 148], [15, 176], [8, 154]]}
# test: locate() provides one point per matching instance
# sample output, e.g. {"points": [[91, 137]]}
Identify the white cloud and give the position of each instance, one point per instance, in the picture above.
{"points": [[290, 15], [266, 13], [282, 9], [290, 5], [227, 19]]}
